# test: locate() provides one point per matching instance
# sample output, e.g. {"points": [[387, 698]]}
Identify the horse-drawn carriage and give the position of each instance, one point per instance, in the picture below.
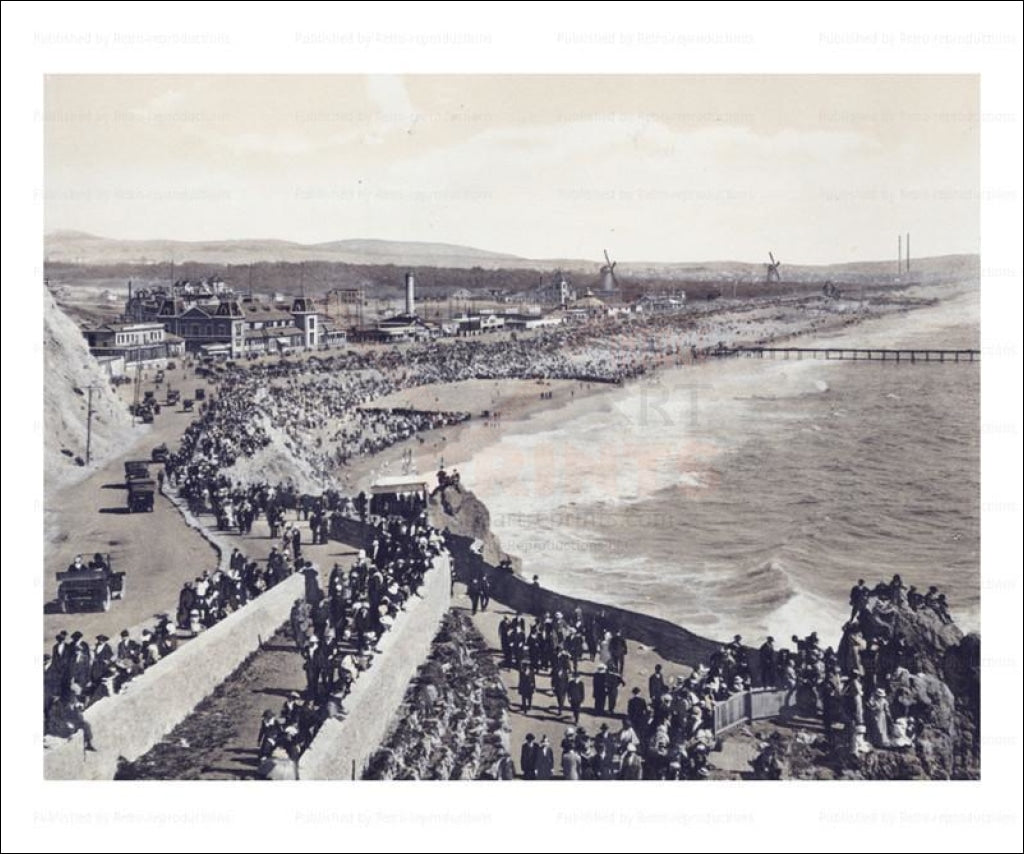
{"points": [[91, 587]]}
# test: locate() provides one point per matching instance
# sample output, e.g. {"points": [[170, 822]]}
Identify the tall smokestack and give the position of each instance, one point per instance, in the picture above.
{"points": [[908, 251], [899, 254], [410, 294]]}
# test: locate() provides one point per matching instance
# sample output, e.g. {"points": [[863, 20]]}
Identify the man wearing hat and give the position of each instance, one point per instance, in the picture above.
{"points": [[612, 682], [601, 762], [656, 685], [545, 759], [576, 691], [527, 685], [528, 757], [636, 711], [600, 689], [767, 658], [102, 657], [62, 654]]}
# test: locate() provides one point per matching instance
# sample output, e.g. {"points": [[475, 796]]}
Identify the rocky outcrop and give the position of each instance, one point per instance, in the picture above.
{"points": [[464, 515], [941, 688], [945, 690], [453, 724]]}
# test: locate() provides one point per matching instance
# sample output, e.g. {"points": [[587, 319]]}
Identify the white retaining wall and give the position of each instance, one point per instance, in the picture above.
{"points": [[341, 746], [129, 724]]}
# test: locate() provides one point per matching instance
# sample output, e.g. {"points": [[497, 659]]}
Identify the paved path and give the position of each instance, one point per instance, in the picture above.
{"points": [[158, 550], [543, 718]]}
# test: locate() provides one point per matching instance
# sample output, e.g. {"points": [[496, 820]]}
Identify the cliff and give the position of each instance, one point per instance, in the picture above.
{"points": [[69, 369]]}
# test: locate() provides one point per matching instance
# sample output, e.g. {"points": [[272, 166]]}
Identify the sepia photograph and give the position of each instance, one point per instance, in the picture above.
{"points": [[630, 498], [410, 426]]}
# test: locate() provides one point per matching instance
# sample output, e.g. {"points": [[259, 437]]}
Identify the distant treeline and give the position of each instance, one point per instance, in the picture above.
{"points": [[377, 280], [387, 280]]}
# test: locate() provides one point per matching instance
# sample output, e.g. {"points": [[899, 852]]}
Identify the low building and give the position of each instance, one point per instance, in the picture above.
{"points": [[144, 342], [660, 303], [478, 324], [531, 320]]}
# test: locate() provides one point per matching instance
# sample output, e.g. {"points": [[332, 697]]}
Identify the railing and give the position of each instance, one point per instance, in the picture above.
{"points": [[873, 354], [748, 707]]}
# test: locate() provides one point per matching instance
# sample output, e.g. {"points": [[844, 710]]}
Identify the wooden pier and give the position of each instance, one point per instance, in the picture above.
{"points": [[872, 354]]}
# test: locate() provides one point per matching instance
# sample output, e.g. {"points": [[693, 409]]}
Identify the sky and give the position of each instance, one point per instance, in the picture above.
{"points": [[816, 168]]}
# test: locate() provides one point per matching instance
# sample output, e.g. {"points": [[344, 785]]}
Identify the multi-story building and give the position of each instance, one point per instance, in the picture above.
{"points": [[212, 320]]}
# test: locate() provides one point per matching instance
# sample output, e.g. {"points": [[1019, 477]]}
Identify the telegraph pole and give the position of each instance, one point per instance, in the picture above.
{"points": [[88, 426]]}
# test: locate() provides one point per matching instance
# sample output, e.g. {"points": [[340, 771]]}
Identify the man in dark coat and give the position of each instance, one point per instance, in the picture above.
{"points": [[576, 691], [636, 711], [545, 759], [612, 682], [559, 685], [656, 685], [768, 657], [600, 689], [102, 658], [527, 685], [618, 649], [505, 630], [858, 598], [528, 756]]}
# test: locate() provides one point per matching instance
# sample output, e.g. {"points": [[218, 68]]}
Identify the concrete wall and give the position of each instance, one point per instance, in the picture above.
{"points": [[516, 592], [342, 746], [129, 724]]}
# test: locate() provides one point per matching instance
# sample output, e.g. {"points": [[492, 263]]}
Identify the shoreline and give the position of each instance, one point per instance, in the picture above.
{"points": [[524, 413], [521, 410]]}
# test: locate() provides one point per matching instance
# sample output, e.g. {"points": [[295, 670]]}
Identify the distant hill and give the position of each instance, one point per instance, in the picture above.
{"points": [[76, 257], [77, 247]]}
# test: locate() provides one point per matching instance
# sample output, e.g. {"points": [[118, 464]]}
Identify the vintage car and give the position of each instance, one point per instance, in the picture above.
{"points": [[160, 453], [136, 470], [140, 495], [90, 588]]}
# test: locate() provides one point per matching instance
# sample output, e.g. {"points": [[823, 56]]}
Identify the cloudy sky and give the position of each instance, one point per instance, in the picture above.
{"points": [[655, 168]]}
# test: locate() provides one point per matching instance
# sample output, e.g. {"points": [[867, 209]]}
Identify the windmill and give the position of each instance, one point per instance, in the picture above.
{"points": [[772, 270], [608, 281]]}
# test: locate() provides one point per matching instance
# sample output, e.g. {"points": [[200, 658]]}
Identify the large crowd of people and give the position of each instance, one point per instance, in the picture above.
{"points": [[321, 409], [861, 691], [337, 631], [78, 673]]}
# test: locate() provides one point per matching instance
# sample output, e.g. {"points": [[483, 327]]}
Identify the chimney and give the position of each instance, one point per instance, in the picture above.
{"points": [[410, 294], [908, 251]]}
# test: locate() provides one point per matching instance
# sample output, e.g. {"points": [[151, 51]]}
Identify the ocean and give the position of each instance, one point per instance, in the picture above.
{"points": [[746, 495]]}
